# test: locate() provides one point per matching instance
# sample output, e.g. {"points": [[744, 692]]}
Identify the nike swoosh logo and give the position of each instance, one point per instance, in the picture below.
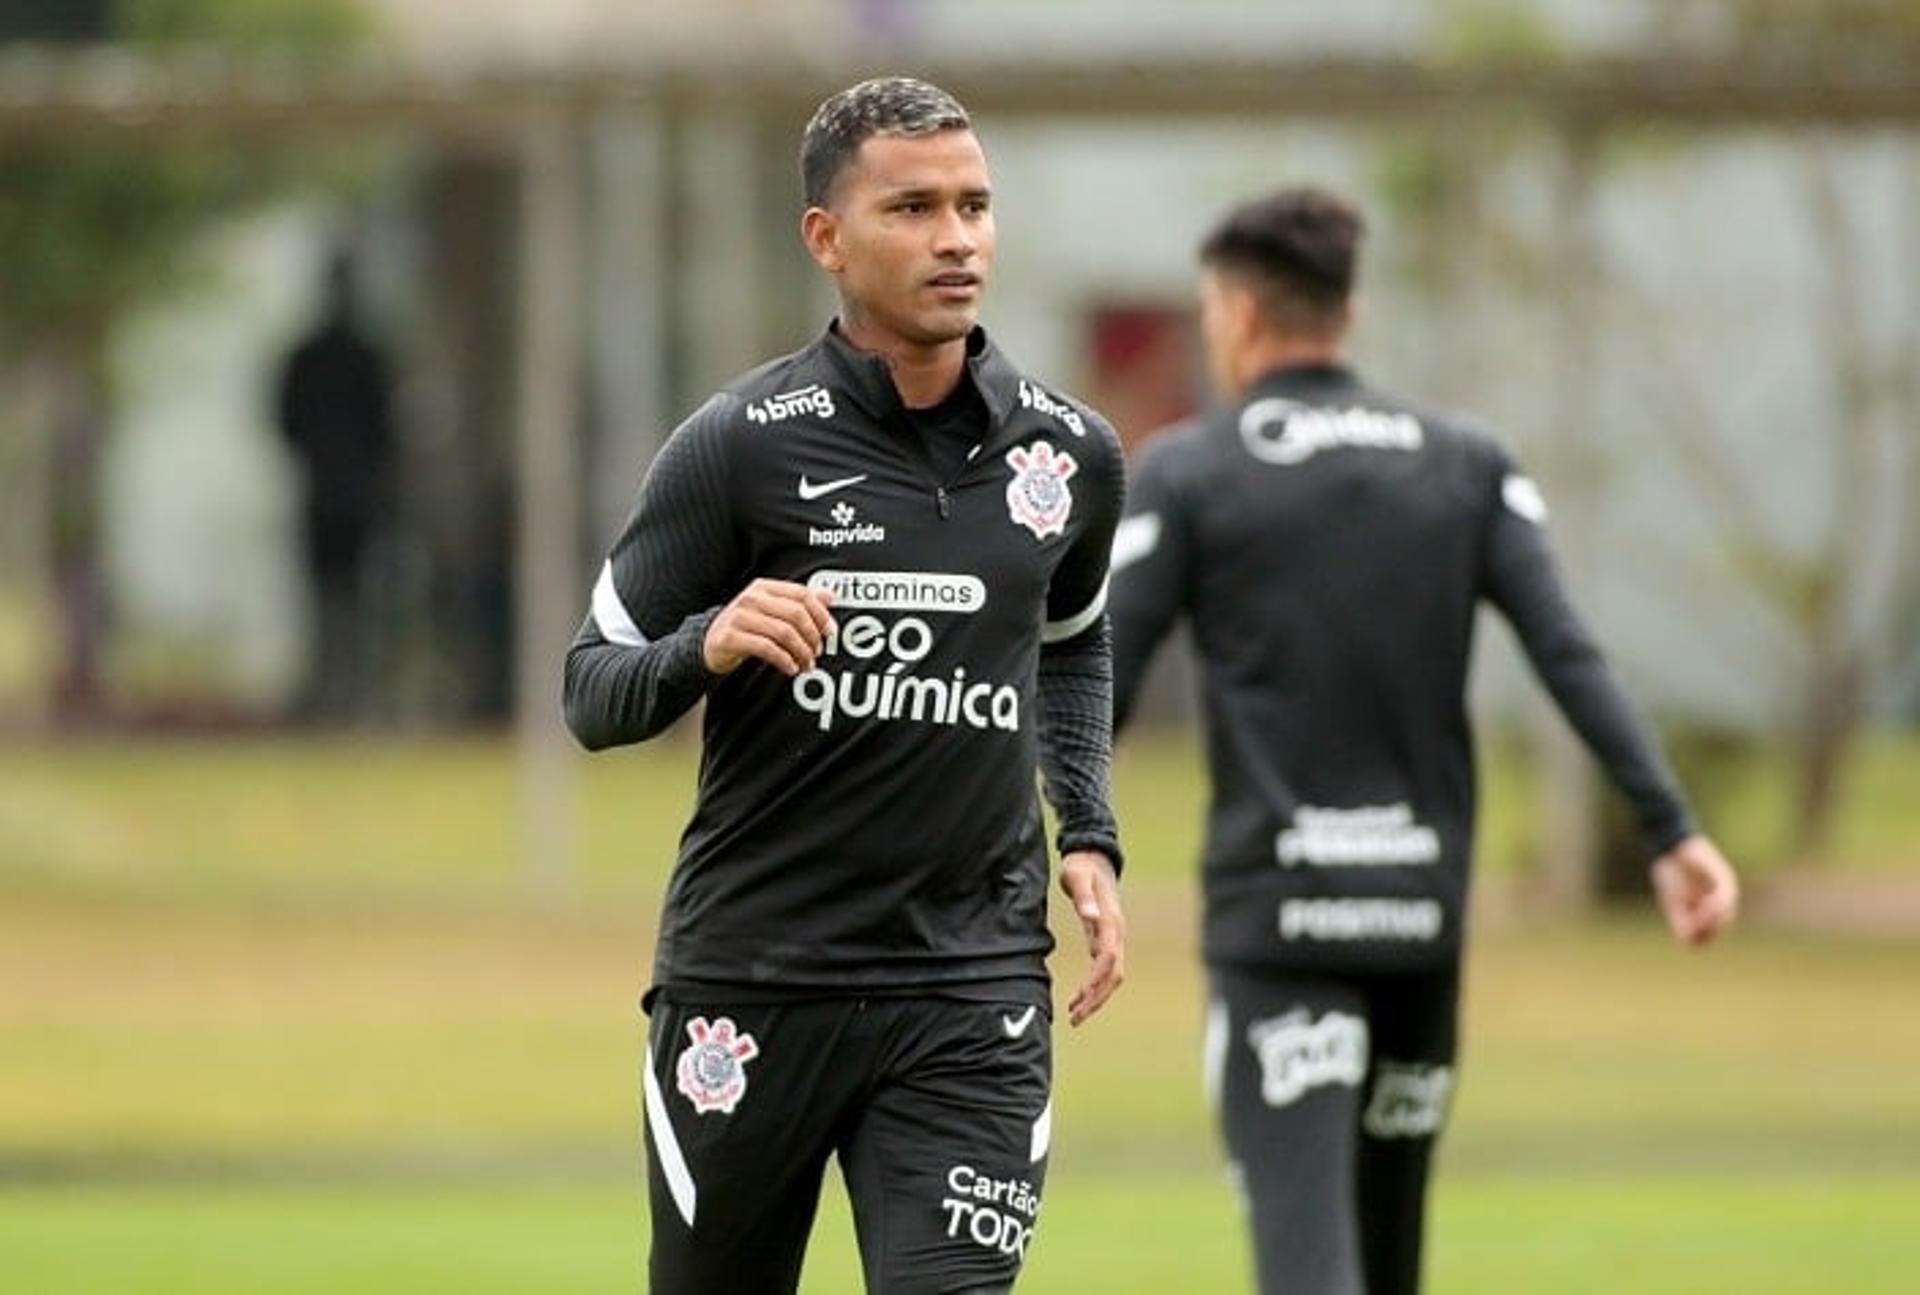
{"points": [[1015, 1026], [809, 491]]}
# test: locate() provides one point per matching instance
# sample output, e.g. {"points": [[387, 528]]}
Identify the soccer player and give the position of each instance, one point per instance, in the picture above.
{"points": [[1328, 545], [882, 561]]}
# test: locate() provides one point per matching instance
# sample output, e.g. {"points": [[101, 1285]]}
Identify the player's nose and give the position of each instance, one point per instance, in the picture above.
{"points": [[953, 239]]}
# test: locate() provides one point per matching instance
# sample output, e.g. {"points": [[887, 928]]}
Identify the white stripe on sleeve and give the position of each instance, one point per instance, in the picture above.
{"points": [[610, 614], [1213, 1053], [1057, 631], [1135, 538]]}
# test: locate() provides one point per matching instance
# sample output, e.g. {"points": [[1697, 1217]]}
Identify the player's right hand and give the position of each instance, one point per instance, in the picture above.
{"points": [[775, 621], [1087, 878], [1696, 890]]}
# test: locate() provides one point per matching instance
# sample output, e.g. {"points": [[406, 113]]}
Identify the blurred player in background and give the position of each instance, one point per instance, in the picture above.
{"points": [[882, 561], [1328, 545]]}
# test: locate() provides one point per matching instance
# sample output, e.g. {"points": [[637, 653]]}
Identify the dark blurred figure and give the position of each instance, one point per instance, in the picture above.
{"points": [[55, 20], [336, 409]]}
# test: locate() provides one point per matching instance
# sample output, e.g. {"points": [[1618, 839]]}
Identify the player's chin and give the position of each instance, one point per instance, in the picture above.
{"points": [[946, 324]]}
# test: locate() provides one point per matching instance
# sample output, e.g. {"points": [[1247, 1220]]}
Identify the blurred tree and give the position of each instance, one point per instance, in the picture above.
{"points": [[1852, 603], [1473, 256], [96, 228]]}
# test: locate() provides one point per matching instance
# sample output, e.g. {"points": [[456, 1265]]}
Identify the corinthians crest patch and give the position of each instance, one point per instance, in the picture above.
{"points": [[713, 1070], [1037, 497]]}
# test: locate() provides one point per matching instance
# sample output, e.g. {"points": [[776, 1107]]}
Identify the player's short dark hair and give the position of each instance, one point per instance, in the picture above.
{"points": [[888, 105], [1298, 248]]}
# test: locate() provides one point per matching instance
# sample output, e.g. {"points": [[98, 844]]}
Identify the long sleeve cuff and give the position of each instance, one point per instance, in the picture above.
{"points": [[1076, 740], [616, 694]]}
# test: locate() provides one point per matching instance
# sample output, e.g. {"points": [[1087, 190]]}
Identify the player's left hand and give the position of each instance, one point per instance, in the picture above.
{"points": [[1696, 889], [1087, 878]]}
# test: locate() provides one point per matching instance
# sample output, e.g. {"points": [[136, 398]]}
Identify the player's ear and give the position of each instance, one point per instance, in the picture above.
{"points": [[820, 231], [1244, 309]]}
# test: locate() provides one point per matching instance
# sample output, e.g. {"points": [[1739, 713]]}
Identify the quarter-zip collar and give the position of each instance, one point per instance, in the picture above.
{"points": [[869, 383]]}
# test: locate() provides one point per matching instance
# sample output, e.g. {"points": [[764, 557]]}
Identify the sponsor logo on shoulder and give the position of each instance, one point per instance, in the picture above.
{"points": [[1286, 432], [712, 1071], [1413, 920], [1032, 397], [811, 399], [1523, 498], [1134, 539], [1037, 497], [1378, 836], [1297, 1053]]}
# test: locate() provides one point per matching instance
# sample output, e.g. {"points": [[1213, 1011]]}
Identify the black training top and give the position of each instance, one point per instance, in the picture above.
{"points": [[872, 825], [1328, 546]]}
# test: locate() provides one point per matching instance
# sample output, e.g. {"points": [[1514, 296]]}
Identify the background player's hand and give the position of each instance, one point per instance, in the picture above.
{"points": [[1087, 877], [1696, 889], [775, 621]]}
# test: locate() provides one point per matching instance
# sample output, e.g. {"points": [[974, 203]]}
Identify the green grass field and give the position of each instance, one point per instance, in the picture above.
{"points": [[1133, 1233], [275, 1017]]}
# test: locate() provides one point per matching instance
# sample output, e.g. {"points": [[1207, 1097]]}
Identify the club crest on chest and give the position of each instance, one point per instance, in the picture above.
{"points": [[1038, 497]]}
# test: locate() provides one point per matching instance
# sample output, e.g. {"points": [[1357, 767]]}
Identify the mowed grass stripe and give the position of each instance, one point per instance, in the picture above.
{"points": [[1121, 1235], [296, 1035]]}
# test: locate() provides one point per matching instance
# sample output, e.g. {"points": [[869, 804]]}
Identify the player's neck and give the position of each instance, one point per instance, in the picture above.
{"points": [[924, 374], [1275, 351]]}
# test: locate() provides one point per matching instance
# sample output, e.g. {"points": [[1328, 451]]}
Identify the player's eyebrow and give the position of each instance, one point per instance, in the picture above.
{"points": [[896, 190]]}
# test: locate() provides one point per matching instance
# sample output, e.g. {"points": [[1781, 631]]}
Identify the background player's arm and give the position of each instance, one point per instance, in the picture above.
{"points": [[1693, 884], [1150, 552], [1075, 688], [639, 660]]}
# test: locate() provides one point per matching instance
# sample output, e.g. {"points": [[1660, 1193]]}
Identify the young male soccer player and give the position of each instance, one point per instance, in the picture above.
{"points": [[882, 561], [1328, 545]]}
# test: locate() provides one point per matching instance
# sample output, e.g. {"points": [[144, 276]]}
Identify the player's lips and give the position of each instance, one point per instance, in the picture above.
{"points": [[955, 283]]}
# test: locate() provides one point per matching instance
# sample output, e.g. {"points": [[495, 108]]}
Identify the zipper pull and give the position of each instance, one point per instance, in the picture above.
{"points": [[940, 501]]}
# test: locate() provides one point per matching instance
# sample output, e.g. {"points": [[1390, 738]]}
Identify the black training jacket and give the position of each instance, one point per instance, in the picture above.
{"points": [[1328, 546], [873, 825]]}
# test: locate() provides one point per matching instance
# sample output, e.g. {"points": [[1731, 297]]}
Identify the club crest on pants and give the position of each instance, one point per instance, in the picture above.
{"points": [[1037, 497], [712, 1071]]}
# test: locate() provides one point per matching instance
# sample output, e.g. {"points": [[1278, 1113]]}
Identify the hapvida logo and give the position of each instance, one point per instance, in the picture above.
{"points": [[846, 529]]}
